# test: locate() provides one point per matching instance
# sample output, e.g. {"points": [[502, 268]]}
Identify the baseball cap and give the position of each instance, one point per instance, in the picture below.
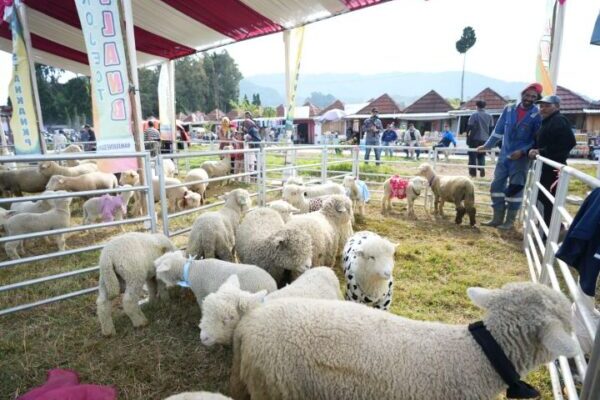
{"points": [[553, 99]]}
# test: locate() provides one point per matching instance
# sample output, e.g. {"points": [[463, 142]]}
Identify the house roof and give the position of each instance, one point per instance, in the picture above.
{"points": [[235, 114], [313, 110], [571, 102], [280, 110], [215, 115], [335, 105], [431, 102], [384, 104], [491, 97]]}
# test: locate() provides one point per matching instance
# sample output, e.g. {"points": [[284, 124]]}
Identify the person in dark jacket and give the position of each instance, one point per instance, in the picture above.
{"points": [[389, 138], [554, 140], [479, 127]]}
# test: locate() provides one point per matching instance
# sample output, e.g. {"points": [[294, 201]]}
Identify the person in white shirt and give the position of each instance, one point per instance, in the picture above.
{"points": [[59, 140], [412, 138]]}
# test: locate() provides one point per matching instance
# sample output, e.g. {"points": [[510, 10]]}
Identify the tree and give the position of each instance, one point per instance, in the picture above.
{"points": [[320, 100], [148, 81], [256, 99], [191, 84], [269, 112], [223, 80], [466, 41]]}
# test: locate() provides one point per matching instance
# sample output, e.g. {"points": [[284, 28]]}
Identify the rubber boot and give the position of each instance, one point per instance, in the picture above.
{"points": [[497, 219], [511, 215]]}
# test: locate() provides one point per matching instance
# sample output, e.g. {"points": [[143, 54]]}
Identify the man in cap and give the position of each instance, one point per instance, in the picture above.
{"points": [[478, 132], [516, 128], [372, 128], [554, 140]]}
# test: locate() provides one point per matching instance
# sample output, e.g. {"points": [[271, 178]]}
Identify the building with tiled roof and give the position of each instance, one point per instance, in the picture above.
{"points": [[235, 114], [431, 102], [494, 101], [336, 105], [215, 115], [313, 110], [571, 102], [384, 104]]}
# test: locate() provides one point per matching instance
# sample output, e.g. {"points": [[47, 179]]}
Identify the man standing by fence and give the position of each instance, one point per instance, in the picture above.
{"points": [[372, 128], [478, 132], [516, 127], [554, 140]]}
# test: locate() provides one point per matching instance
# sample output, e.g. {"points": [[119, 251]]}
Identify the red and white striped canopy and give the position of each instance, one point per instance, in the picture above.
{"points": [[169, 29]]}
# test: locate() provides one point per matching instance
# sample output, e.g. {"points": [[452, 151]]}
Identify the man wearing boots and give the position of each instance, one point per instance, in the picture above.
{"points": [[516, 127], [478, 132]]}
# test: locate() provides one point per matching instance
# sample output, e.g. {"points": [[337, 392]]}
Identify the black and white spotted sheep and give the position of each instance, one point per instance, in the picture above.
{"points": [[353, 290], [315, 204]]}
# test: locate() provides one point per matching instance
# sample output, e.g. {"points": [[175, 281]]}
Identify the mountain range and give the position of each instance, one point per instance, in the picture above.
{"points": [[404, 87]]}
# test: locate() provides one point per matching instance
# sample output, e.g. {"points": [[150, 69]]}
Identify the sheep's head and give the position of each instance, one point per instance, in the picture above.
{"points": [[425, 170], [293, 194], [375, 256], [532, 312], [295, 180], [55, 182], [294, 248], [239, 197], [130, 177], [349, 181], [163, 242], [165, 267], [192, 199], [44, 166], [417, 183], [284, 209], [60, 204], [222, 310], [338, 207]]}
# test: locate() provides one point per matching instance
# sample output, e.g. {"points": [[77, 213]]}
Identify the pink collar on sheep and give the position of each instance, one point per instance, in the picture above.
{"points": [[186, 273], [517, 389]]}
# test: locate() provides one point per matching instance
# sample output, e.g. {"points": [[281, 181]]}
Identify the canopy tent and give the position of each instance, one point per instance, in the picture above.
{"points": [[169, 29]]}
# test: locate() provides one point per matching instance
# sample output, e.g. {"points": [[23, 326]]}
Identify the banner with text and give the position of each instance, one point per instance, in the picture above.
{"points": [[24, 123], [164, 100], [100, 23]]}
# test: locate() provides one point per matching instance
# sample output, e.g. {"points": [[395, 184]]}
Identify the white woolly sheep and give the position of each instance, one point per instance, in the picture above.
{"points": [[323, 189], [294, 180], [72, 148], [457, 189], [34, 207], [206, 276], [213, 233], [107, 208], [58, 217], [358, 192], [131, 177], [219, 168], [222, 310], [198, 396], [16, 181], [296, 196], [329, 228], [191, 200], [197, 174], [89, 181], [169, 169], [368, 263], [262, 239], [396, 187], [176, 197], [309, 349], [284, 209], [126, 263], [51, 168]]}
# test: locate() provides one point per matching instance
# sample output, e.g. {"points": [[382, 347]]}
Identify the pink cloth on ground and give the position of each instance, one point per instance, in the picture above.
{"points": [[109, 205], [63, 384], [398, 186]]}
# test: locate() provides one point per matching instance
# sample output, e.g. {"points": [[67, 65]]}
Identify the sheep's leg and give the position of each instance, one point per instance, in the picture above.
{"points": [[60, 242], [471, 210], [441, 208], [362, 208], [11, 249], [384, 207], [460, 213], [411, 205], [132, 308], [161, 290], [104, 310], [152, 289]]}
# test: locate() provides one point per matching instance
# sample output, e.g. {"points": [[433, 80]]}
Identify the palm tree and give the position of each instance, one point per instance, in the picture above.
{"points": [[466, 41]]}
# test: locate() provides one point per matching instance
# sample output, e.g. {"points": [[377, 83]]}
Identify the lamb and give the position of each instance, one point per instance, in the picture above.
{"points": [[107, 208], [169, 169], [191, 200], [321, 349], [126, 263], [58, 217], [176, 197], [262, 239], [400, 188], [296, 196], [329, 228], [219, 168], [222, 310], [16, 181], [51, 168], [198, 396], [213, 233], [197, 174], [89, 181], [284, 209], [72, 148], [323, 189], [358, 192], [457, 189], [368, 262], [206, 276], [34, 207]]}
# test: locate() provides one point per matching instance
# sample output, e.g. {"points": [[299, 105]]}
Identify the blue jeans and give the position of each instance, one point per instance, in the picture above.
{"points": [[509, 181], [368, 152], [389, 152]]}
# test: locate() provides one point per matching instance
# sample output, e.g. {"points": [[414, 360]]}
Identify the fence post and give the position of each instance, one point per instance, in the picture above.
{"points": [[355, 163], [261, 176], [163, 195], [555, 223], [531, 200], [246, 179], [150, 192], [324, 155]]}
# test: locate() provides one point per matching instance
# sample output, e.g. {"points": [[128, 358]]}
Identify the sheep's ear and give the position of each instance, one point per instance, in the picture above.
{"points": [[233, 280], [246, 303], [558, 341], [340, 207], [481, 297], [163, 267]]}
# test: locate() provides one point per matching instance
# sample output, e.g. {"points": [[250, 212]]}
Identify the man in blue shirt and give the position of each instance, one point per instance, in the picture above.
{"points": [[516, 127], [389, 137], [447, 139], [372, 128]]}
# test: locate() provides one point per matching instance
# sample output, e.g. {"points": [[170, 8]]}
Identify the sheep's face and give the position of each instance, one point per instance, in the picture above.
{"points": [[375, 258], [425, 170], [349, 181], [242, 198], [536, 312], [55, 182], [164, 267], [293, 194], [294, 247], [284, 209], [130, 177], [417, 184], [45, 165], [192, 199], [60, 204], [340, 207]]}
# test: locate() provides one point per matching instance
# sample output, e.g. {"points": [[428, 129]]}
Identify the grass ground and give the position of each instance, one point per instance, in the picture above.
{"points": [[436, 262]]}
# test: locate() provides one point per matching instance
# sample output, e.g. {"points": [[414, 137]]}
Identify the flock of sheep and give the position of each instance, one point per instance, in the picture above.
{"points": [[264, 281]]}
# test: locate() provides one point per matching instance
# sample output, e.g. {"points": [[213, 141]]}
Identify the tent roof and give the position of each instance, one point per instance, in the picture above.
{"points": [[169, 29]]}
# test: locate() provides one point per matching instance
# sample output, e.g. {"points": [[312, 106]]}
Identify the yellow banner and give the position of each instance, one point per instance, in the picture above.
{"points": [[24, 122], [297, 39]]}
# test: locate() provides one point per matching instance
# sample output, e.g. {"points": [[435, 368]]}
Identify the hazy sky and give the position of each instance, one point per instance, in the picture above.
{"points": [[418, 35]]}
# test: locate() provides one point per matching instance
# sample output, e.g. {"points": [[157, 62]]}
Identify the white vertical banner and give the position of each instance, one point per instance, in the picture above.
{"points": [[165, 99]]}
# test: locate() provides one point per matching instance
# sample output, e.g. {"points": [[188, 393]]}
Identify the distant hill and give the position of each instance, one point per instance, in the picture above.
{"points": [[357, 88]]}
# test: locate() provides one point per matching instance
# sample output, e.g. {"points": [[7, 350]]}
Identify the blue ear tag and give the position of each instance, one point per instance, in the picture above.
{"points": [[186, 273]]}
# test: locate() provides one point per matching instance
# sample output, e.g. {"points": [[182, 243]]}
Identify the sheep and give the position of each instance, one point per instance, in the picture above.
{"points": [[58, 217], [262, 239], [323, 189], [176, 197], [457, 189], [198, 396], [34, 207], [89, 181], [16, 181], [284, 209], [329, 228], [222, 310], [213, 233], [50, 168], [219, 168], [368, 263], [320, 349], [197, 174], [169, 169], [191, 200], [294, 180], [206, 276], [358, 192], [296, 196], [72, 148], [107, 208], [400, 188], [126, 263]]}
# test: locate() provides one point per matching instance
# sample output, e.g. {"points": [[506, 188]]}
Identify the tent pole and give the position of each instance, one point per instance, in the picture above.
{"points": [[556, 44], [288, 72], [172, 114]]}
